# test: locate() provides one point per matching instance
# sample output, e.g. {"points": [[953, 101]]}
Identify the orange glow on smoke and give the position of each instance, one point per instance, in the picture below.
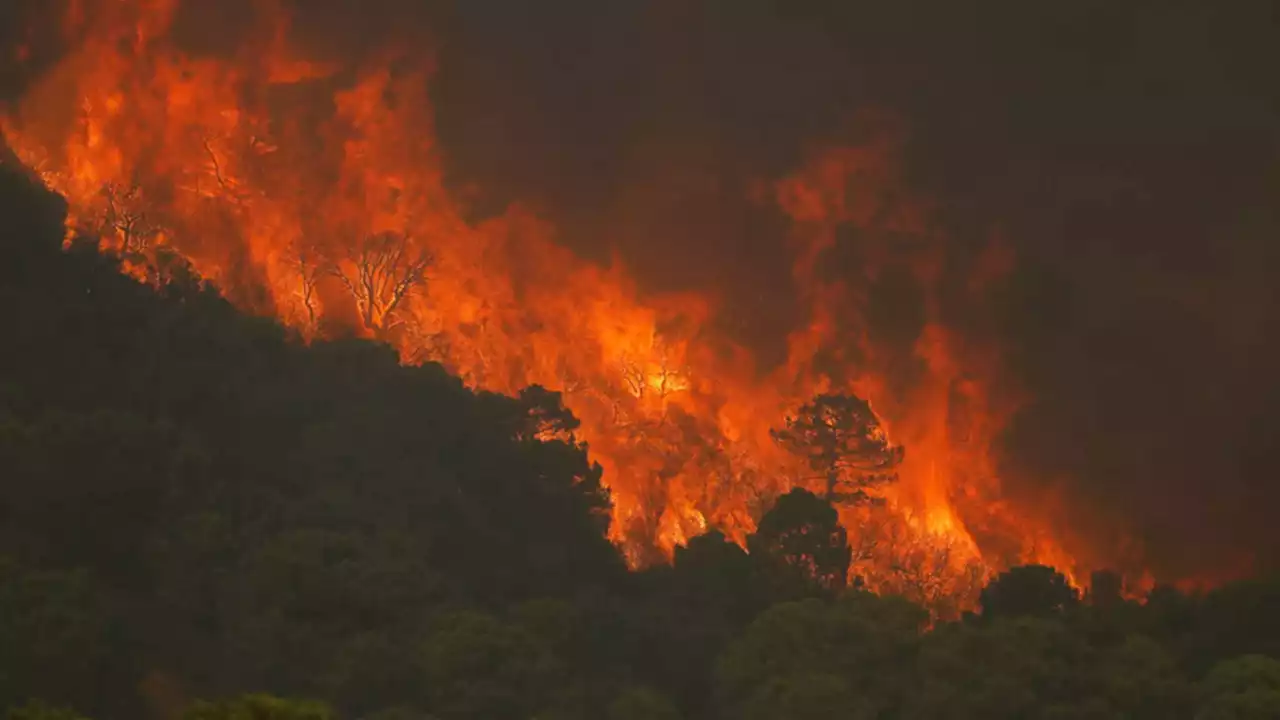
{"points": [[279, 179]]}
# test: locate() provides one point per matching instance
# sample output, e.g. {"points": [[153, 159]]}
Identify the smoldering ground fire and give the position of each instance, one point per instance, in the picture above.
{"points": [[315, 191]]}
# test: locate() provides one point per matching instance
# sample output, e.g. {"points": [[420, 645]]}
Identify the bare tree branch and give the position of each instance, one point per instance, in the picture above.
{"points": [[385, 269], [309, 267], [127, 220], [217, 168]]}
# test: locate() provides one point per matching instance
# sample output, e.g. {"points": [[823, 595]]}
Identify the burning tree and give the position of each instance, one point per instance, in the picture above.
{"points": [[381, 271], [841, 438], [126, 222], [644, 380], [309, 267]]}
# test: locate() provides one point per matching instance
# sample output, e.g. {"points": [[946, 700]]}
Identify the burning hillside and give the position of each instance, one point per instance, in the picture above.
{"points": [[314, 192]]}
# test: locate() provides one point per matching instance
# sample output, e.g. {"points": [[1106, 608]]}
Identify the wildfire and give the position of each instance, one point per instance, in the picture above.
{"points": [[314, 192]]}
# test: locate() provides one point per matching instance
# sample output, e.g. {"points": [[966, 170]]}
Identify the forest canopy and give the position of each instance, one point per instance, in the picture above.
{"points": [[205, 518]]}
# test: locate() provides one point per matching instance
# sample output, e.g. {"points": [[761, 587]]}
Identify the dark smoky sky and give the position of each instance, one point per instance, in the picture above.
{"points": [[1130, 151]]}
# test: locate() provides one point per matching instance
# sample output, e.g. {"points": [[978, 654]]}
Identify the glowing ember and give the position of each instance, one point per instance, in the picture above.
{"points": [[317, 196]]}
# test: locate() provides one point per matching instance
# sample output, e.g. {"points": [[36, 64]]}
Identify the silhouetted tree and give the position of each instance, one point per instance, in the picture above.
{"points": [[1106, 589], [715, 573], [1028, 590], [1105, 616], [548, 418], [699, 604], [841, 438], [1230, 621], [800, 547]]}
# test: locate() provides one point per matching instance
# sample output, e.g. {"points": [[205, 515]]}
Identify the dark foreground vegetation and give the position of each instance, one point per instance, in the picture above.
{"points": [[201, 517]]}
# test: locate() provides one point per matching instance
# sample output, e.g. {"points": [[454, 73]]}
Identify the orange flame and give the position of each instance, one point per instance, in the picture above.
{"points": [[319, 199]]}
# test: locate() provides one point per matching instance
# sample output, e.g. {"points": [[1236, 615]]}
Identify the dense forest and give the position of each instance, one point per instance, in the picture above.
{"points": [[206, 518]]}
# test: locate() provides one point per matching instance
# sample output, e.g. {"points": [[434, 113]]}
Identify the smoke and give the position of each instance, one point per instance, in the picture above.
{"points": [[1129, 153]]}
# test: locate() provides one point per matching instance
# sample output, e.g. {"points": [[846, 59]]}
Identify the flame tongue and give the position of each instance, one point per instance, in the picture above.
{"points": [[277, 173]]}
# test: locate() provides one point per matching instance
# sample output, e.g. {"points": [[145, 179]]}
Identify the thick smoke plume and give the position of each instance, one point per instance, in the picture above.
{"points": [[1127, 151]]}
